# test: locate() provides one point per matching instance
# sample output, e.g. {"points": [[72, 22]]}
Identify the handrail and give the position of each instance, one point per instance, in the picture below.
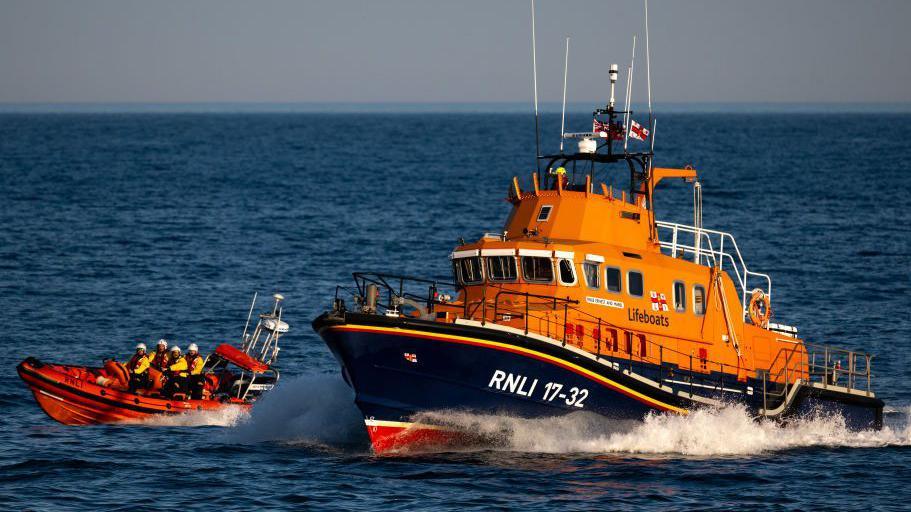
{"points": [[701, 250], [798, 364], [824, 374], [361, 280]]}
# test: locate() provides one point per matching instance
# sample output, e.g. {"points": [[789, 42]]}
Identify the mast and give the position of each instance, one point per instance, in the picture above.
{"points": [[648, 65], [629, 96], [565, 71], [534, 64]]}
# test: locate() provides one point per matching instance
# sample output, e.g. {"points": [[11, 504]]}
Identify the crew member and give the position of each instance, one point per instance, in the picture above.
{"points": [[197, 380], [176, 373], [139, 369], [561, 176], [159, 358]]}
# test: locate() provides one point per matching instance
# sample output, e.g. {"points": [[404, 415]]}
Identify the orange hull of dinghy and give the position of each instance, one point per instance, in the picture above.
{"points": [[76, 395]]}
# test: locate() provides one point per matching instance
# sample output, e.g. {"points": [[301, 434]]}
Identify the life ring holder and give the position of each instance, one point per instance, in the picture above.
{"points": [[760, 308]]}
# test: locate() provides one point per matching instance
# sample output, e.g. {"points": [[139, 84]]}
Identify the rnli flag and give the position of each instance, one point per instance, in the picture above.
{"points": [[637, 131], [605, 130]]}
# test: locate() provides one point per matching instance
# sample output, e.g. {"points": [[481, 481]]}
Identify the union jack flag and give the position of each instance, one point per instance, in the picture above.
{"points": [[410, 357], [605, 130]]}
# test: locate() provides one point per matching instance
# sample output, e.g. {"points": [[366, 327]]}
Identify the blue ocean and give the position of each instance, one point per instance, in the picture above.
{"points": [[117, 228]]}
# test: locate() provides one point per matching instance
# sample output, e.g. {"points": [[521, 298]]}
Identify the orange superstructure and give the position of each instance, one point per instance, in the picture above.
{"points": [[630, 294]]}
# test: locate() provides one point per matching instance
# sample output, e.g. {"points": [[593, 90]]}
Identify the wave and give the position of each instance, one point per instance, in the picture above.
{"points": [[227, 416], [311, 409], [727, 431]]}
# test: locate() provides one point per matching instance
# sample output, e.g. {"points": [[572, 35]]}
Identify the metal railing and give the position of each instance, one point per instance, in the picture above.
{"points": [[703, 248], [816, 365], [563, 320]]}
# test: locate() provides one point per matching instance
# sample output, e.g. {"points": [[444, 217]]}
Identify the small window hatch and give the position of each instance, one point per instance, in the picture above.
{"points": [[544, 214]]}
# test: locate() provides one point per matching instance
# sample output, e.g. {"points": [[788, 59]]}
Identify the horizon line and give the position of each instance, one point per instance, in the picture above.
{"points": [[438, 107]]}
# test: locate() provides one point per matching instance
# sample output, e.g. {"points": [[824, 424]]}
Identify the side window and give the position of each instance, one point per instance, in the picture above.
{"points": [[537, 270], [699, 299], [592, 272], [634, 283], [470, 270], [614, 283], [501, 268], [679, 296], [544, 213], [567, 272]]}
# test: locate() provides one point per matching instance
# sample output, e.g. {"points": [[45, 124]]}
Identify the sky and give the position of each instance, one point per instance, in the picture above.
{"points": [[465, 51]]}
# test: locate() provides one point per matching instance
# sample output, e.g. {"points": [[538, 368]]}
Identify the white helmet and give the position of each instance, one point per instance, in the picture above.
{"points": [[175, 348], [163, 343], [140, 346], [192, 348]]}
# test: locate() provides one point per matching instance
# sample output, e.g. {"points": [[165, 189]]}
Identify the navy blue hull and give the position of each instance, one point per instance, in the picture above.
{"points": [[402, 367]]}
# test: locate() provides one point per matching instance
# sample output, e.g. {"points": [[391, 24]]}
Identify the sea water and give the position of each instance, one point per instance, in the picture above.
{"points": [[120, 228]]}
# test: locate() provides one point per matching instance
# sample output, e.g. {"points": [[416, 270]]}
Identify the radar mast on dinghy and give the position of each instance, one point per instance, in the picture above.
{"points": [[259, 351]]}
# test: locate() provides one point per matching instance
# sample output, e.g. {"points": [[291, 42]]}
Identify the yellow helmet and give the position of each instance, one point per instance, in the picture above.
{"points": [[560, 171]]}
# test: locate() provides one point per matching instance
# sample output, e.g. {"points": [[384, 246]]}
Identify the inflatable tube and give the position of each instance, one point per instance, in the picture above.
{"points": [[118, 373]]}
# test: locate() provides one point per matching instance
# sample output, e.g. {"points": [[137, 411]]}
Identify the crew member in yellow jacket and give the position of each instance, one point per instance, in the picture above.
{"points": [[139, 368], [195, 362], [177, 374]]}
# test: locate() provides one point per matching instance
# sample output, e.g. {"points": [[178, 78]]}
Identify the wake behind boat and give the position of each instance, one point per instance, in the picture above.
{"points": [[584, 301], [231, 376]]}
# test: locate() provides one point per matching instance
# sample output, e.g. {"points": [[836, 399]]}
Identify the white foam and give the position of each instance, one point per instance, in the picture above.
{"points": [[227, 416], [311, 409], [728, 431]]}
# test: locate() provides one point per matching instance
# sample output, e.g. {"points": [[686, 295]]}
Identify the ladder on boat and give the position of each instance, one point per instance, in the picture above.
{"points": [[814, 366]]}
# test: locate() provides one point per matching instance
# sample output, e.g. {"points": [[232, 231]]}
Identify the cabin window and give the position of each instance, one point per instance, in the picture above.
{"points": [[592, 272], [567, 272], [536, 269], [634, 284], [679, 296], [613, 280], [544, 213], [699, 299], [470, 270], [502, 268]]}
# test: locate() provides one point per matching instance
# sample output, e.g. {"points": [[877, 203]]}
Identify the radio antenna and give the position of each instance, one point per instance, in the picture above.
{"points": [[534, 64], [629, 95], [565, 71], [648, 65]]}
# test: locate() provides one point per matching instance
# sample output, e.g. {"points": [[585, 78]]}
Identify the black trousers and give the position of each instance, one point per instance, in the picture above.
{"points": [[139, 381], [196, 385], [175, 385]]}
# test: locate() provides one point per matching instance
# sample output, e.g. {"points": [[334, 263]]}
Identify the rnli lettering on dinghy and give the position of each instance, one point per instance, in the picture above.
{"points": [[644, 317]]}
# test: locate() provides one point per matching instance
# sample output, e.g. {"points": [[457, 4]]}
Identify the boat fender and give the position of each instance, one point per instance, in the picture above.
{"points": [[760, 308]]}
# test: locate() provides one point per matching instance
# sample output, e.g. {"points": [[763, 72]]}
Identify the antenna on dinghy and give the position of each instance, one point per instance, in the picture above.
{"points": [[249, 316], [534, 66], [565, 71]]}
